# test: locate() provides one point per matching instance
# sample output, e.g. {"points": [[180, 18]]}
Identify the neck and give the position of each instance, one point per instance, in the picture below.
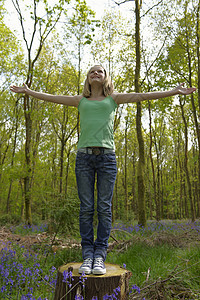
{"points": [[97, 91]]}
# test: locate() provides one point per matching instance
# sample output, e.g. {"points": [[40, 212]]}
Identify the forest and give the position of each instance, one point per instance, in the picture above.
{"points": [[145, 46], [51, 46]]}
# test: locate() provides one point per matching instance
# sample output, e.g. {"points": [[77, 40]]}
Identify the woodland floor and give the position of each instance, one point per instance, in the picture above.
{"points": [[185, 239]]}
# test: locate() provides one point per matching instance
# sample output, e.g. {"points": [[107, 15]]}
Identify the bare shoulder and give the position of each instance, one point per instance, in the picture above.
{"points": [[114, 96], [121, 98], [72, 100], [118, 97], [77, 99]]}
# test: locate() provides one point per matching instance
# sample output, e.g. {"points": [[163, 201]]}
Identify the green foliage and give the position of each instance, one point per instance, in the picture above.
{"points": [[58, 70], [11, 219], [24, 229], [161, 261], [81, 29], [62, 214], [66, 256], [152, 254], [159, 258]]}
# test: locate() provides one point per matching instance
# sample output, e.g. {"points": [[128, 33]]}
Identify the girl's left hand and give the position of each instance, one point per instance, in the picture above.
{"points": [[184, 91]]}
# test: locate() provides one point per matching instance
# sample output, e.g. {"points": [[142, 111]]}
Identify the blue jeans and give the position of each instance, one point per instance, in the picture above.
{"points": [[105, 167]]}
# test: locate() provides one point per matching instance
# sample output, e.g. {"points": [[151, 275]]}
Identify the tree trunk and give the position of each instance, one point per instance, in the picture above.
{"points": [[12, 159], [27, 178], [125, 170], [61, 164], [194, 110], [198, 121], [95, 286], [186, 165], [180, 179], [151, 159], [116, 201], [134, 202], [157, 198], [141, 162], [28, 109], [67, 172]]}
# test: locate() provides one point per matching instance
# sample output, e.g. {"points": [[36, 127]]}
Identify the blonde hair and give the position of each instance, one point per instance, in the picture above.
{"points": [[108, 87]]}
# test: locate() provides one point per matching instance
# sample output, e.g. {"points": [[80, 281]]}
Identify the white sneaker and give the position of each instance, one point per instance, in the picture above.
{"points": [[98, 266], [86, 266]]}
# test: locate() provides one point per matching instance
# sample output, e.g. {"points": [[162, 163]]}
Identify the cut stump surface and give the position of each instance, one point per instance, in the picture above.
{"points": [[95, 287]]}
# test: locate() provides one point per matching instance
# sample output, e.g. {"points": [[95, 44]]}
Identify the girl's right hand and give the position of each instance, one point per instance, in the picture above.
{"points": [[19, 89]]}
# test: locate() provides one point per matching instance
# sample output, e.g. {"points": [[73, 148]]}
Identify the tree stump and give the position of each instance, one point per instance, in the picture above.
{"points": [[115, 281]]}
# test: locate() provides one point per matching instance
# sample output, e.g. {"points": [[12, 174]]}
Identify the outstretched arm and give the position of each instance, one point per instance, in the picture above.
{"points": [[66, 100], [137, 97]]}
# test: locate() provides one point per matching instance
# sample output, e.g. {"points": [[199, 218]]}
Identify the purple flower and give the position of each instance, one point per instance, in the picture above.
{"points": [[65, 276], [46, 277], [3, 288], [134, 287], [79, 297]]}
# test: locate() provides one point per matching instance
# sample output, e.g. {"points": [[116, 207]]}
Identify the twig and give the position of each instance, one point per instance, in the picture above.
{"points": [[165, 280], [46, 282], [180, 272], [121, 230], [114, 238], [70, 290], [151, 8], [148, 273]]}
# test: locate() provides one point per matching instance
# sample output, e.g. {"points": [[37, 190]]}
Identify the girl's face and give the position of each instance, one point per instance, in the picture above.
{"points": [[96, 74]]}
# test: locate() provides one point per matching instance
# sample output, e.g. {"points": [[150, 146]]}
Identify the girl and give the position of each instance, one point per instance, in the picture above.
{"points": [[96, 155]]}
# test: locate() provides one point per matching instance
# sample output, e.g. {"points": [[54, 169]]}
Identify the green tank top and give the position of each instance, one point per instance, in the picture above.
{"points": [[96, 123]]}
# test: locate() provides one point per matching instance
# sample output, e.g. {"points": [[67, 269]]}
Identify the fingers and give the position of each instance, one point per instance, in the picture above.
{"points": [[19, 89], [188, 91], [14, 88], [185, 91]]}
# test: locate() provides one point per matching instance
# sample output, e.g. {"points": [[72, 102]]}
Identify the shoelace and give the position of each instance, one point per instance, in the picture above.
{"points": [[98, 262], [87, 262]]}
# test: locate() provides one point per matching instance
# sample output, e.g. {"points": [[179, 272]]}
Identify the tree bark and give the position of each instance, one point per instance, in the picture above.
{"points": [[151, 159], [192, 208], [27, 178], [95, 286], [13, 155], [125, 170], [28, 108], [198, 121], [141, 162]]}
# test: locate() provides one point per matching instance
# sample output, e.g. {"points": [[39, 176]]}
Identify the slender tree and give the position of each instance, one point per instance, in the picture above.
{"points": [[191, 200], [198, 123], [42, 26], [141, 162]]}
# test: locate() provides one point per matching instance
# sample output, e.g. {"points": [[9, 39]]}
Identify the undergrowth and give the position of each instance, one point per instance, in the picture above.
{"points": [[164, 260]]}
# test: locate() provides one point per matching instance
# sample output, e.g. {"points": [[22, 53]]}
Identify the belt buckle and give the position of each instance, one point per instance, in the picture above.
{"points": [[96, 151]]}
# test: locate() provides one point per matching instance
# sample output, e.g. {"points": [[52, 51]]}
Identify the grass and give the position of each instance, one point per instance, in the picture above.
{"points": [[163, 258], [139, 258], [161, 261]]}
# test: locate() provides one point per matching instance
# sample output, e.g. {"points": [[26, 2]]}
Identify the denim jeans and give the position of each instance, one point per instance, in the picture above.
{"points": [[89, 166]]}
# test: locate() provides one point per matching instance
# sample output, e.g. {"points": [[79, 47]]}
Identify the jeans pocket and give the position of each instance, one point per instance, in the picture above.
{"points": [[110, 157], [81, 159]]}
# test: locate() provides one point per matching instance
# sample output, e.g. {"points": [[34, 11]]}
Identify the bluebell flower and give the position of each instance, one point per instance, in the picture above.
{"points": [[79, 297], [46, 277], [3, 288], [65, 276]]}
